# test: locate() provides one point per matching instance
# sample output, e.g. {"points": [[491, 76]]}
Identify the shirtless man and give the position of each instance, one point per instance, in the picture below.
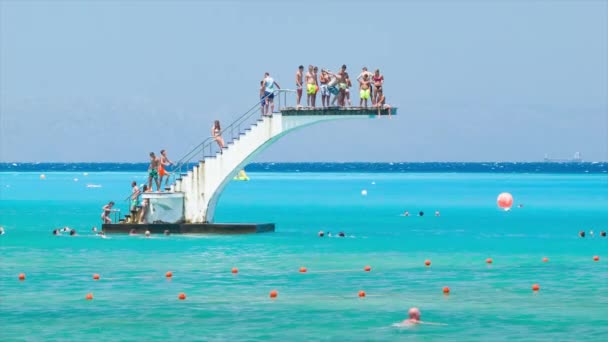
{"points": [[310, 86], [315, 73], [299, 83], [370, 75], [164, 161], [153, 171], [364, 91], [325, 94]]}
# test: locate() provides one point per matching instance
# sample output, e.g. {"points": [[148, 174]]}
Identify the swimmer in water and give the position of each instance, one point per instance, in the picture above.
{"points": [[414, 318], [603, 234], [321, 233], [421, 213], [341, 234], [73, 232], [581, 234], [406, 213], [591, 233], [147, 233], [437, 213], [56, 232], [65, 229], [167, 232], [94, 229], [132, 232], [1, 230]]}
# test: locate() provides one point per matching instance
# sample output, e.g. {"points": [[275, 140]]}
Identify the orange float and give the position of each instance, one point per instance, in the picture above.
{"points": [[95, 276], [89, 296], [361, 293], [427, 262], [235, 270], [535, 287], [181, 296], [367, 268], [446, 290], [545, 259], [21, 276], [169, 274], [596, 258], [274, 294], [489, 261], [303, 269]]}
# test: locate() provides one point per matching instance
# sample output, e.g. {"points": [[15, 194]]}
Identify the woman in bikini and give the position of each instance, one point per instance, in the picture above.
{"points": [[216, 131], [378, 81], [105, 215]]}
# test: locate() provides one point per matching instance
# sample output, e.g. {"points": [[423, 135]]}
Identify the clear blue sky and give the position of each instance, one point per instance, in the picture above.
{"points": [[474, 80]]}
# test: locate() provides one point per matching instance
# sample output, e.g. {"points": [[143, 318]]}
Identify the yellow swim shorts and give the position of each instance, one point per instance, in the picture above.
{"points": [[311, 89], [364, 93]]}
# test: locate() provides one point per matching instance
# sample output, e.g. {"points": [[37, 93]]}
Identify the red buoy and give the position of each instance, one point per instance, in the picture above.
{"points": [[361, 293], [181, 296], [95, 276], [446, 290], [596, 258], [21, 276], [535, 287], [235, 270], [89, 296], [274, 294], [489, 260], [169, 274], [427, 262], [303, 269], [367, 268]]}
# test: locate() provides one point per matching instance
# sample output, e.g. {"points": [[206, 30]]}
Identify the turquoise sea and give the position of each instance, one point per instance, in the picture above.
{"points": [[134, 301]]}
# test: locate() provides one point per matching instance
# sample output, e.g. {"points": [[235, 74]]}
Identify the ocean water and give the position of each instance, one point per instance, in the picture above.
{"points": [[133, 301]]}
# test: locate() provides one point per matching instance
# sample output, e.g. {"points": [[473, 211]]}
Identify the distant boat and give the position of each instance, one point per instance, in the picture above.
{"points": [[577, 159]]}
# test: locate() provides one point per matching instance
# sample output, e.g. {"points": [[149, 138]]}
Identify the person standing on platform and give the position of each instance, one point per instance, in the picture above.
{"points": [[164, 161], [370, 75], [269, 84], [105, 215], [364, 91], [325, 94], [299, 83], [134, 196], [153, 171]]}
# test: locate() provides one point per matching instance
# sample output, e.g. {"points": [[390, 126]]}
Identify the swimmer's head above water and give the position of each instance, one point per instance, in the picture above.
{"points": [[413, 315], [320, 233]]}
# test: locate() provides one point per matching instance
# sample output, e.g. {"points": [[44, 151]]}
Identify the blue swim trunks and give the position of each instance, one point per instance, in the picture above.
{"points": [[269, 95]]}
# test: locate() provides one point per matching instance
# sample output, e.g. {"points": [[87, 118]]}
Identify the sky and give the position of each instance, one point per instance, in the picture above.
{"points": [[110, 81]]}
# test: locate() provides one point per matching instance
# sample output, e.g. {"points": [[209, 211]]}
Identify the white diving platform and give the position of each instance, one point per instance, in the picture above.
{"points": [[194, 194]]}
